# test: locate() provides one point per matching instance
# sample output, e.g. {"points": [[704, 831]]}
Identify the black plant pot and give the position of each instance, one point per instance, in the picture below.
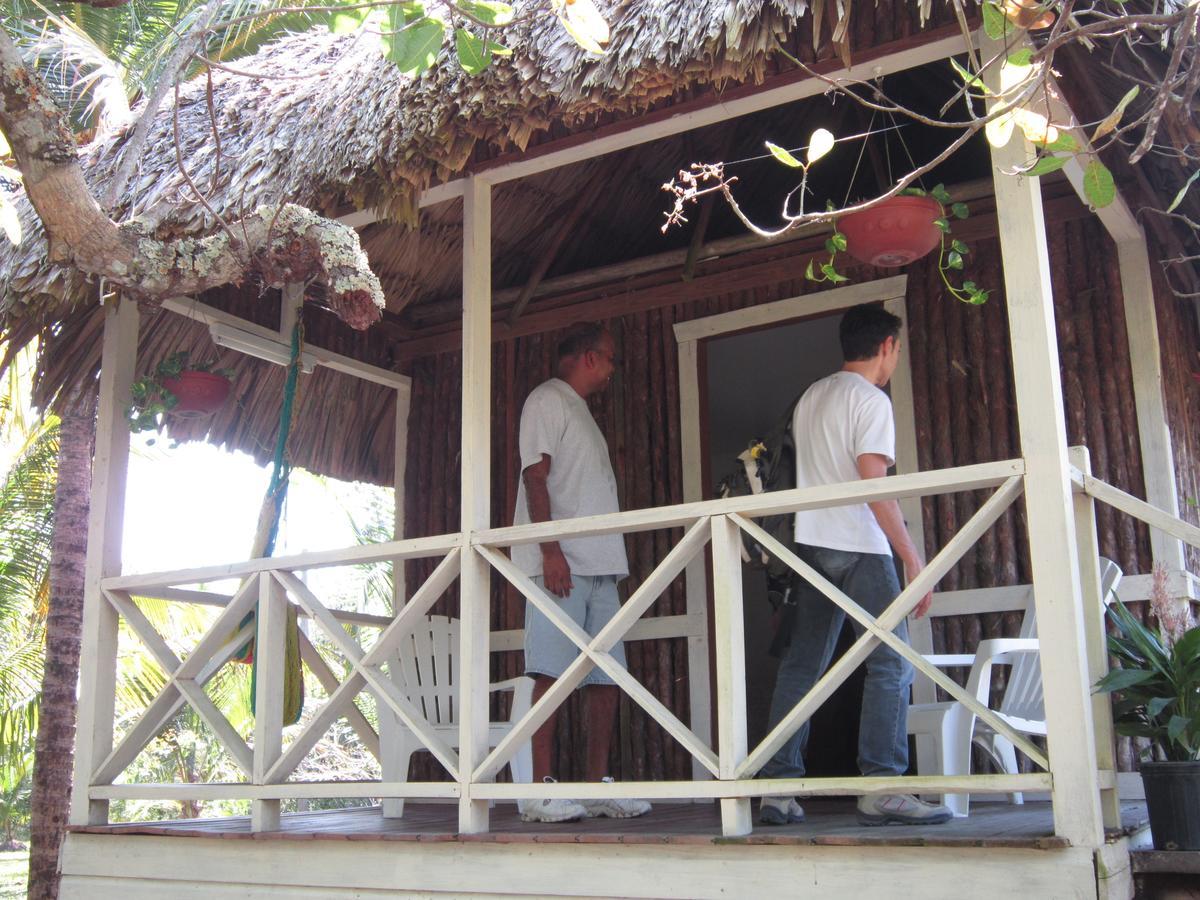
{"points": [[1173, 802]]}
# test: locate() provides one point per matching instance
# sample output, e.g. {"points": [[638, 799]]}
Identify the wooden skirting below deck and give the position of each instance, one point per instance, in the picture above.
{"points": [[677, 851]]}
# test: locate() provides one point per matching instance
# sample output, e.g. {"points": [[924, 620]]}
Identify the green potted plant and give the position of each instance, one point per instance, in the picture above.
{"points": [[1156, 681], [899, 231], [177, 387]]}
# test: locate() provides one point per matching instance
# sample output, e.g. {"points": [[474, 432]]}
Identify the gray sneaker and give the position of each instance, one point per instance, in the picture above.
{"points": [[900, 809], [615, 808], [780, 811]]}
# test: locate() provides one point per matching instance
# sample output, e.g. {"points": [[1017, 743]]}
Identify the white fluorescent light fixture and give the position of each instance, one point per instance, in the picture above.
{"points": [[257, 346]]}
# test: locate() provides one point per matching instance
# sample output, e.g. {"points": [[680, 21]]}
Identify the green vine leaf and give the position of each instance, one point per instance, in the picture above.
{"points": [[1098, 185], [473, 54], [972, 81], [839, 241], [942, 224], [959, 247], [1022, 57], [832, 274], [1048, 164], [995, 24], [808, 273], [414, 45], [960, 210], [1064, 143], [783, 156], [490, 12], [954, 260]]}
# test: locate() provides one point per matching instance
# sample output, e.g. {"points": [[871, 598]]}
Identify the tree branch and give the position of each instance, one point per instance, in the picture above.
{"points": [[282, 244]]}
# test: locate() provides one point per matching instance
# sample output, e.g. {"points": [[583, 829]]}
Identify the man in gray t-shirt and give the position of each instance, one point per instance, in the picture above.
{"points": [[566, 473]]}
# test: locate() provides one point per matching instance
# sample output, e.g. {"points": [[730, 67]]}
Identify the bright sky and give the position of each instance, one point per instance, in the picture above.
{"points": [[196, 505]]}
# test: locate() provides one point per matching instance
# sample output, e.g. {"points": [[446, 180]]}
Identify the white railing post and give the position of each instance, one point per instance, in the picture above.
{"points": [[98, 653], [1048, 495], [730, 642], [475, 576], [389, 723], [696, 580], [270, 648], [1096, 634]]}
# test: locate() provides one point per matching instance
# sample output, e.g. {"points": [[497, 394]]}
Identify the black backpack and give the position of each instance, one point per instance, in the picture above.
{"points": [[767, 464]]}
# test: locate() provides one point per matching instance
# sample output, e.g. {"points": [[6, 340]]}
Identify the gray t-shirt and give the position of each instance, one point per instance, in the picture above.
{"points": [[556, 421]]}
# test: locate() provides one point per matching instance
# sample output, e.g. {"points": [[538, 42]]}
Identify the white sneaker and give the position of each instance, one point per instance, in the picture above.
{"points": [[780, 811], [550, 810], [900, 809], [615, 808]]}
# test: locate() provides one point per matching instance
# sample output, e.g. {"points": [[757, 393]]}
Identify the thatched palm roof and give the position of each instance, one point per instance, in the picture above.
{"points": [[332, 123]]}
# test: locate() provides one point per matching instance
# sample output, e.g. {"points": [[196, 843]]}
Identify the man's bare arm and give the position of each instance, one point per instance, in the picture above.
{"points": [[887, 514], [555, 571]]}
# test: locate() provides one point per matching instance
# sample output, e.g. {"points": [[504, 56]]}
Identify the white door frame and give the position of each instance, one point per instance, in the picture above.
{"points": [[688, 335]]}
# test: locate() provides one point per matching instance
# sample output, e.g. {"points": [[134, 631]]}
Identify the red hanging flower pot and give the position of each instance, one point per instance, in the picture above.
{"points": [[894, 233], [199, 393]]}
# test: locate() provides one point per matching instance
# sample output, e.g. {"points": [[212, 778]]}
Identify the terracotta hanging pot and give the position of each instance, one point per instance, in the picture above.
{"points": [[894, 233], [199, 393]]}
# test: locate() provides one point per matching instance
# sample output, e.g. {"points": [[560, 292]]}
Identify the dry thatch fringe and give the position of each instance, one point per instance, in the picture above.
{"points": [[362, 132]]}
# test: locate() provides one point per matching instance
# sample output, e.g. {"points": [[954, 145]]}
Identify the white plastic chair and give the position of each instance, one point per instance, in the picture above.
{"points": [[946, 730], [426, 666]]}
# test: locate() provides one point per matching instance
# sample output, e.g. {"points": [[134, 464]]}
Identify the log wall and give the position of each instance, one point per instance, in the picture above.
{"points": [[965, 414]]}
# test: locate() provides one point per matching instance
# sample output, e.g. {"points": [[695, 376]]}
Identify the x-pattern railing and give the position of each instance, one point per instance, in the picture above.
{"points": [[712, 525]]}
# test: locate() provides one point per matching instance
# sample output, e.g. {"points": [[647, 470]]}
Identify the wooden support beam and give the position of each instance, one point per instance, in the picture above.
{"points": [[730, 639], [1145, 358], [765, 266], [1097, 635], [475, 603], [270, 650], [565, 227], [1048, 493], [106, 521]]}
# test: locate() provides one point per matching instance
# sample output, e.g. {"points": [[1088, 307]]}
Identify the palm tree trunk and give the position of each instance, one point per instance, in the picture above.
{"points": [[51, 800]]}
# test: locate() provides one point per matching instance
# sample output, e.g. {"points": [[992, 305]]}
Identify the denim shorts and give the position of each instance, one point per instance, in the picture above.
{"points": [[592, 603]]}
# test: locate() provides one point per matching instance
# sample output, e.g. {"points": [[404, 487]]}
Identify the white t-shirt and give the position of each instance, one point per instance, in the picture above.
{"points": [[556, 421], [838, 419]]}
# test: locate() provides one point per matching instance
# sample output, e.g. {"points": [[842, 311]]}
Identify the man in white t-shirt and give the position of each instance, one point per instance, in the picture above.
{"points": [[566, 473], [844, 430]]}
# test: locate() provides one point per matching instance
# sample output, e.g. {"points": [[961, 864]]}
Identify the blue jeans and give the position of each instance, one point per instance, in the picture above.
{"points": [[870, 580]]}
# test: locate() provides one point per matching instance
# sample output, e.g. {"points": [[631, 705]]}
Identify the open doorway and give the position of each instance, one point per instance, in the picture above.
{"points": [[741, 371]]}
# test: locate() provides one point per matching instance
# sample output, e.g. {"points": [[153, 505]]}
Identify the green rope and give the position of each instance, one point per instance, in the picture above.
{"points": [[281, 470], [281, 467]]}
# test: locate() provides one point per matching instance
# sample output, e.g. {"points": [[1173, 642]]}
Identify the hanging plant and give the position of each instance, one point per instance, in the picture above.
{"points": [[178, 387], [905, 228]]}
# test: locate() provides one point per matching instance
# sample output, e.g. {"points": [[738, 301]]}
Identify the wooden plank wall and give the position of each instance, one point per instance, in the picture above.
{"points": [[964, 410]]}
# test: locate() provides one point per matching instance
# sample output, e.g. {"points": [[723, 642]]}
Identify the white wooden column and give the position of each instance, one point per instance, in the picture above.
{"points": [[730, 641], [695, 578], [475, 577], [1097, 638], [270, 648], [1145, 358], [389, 722], [106, 522], [1048, 496]]}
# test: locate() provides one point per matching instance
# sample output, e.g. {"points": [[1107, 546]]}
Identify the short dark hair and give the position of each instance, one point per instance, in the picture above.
{"points": [[864, 328], [579, 338]]}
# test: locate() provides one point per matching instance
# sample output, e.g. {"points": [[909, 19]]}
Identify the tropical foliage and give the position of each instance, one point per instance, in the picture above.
{"points": [[1157, 680]]}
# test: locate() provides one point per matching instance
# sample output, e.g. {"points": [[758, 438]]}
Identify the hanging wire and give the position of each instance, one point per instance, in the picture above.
{"points": [[849, 137], [858, 162]]}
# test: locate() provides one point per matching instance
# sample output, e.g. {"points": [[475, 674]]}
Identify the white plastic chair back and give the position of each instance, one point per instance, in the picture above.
{"points": [[427, 668], [1023, 697]]}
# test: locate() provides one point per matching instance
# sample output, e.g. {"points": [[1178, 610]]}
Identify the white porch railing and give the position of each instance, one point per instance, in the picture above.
{"points": [[731, 763]]}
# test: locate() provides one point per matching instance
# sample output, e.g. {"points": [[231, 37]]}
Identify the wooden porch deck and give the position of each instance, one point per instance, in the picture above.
{"points": [[830, 822]]}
